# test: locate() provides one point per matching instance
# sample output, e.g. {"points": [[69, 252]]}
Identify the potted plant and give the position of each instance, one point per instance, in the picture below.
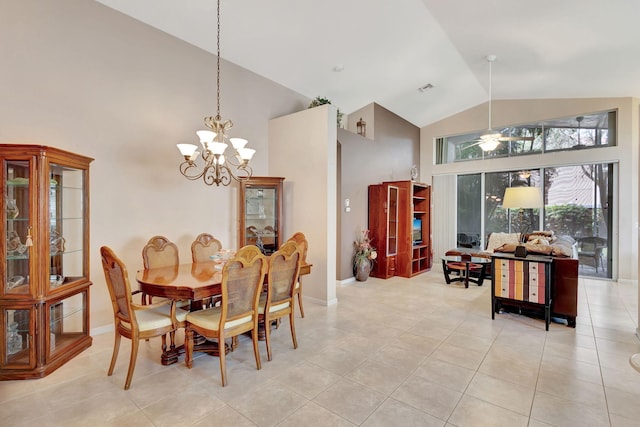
{"points": [[363, 255], [321, 101]]}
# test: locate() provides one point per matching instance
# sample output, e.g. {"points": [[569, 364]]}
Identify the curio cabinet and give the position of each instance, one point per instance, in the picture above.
{"points": [[260, 213], [44, 284]]}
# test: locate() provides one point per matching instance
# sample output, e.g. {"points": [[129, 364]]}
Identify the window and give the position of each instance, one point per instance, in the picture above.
{"points": [[497, 219], [568, 133], [577, 203], [469, 205]]}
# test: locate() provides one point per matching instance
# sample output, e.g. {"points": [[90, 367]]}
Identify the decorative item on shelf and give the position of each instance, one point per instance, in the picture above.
{"points": [[522, 198], [364, 255], [57, 243], [14, 339], [322, 101], [414, 173], [218, 168], [55, 280], [12, 209], [14, 281], [361, 127], [14, 244]]}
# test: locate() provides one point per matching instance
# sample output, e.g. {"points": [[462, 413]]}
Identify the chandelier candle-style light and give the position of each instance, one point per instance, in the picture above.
{"points": [[218, 168]]}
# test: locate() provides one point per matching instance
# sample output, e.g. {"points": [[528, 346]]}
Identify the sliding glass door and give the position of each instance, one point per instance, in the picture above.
{"points": [[577, 202]]}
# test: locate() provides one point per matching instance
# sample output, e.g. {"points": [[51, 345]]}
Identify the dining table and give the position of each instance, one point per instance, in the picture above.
{"points": [[195, 282]]}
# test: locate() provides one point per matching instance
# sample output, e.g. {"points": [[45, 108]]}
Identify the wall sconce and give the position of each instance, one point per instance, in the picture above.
{"points": [[361, 127]]}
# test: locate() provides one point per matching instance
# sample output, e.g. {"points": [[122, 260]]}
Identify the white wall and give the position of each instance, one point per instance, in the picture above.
{"points": [[303, 149], [626, 154], [82, 77]]}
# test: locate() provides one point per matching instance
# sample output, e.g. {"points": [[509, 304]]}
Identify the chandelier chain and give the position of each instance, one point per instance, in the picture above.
{"points": [[218, 117], [219, 167]]}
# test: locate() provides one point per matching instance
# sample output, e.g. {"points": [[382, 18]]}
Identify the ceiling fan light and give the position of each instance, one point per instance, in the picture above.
{"points": [[490, 141]]}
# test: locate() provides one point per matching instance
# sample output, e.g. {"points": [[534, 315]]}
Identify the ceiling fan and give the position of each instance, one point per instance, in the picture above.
{"points": [[490, 139]]}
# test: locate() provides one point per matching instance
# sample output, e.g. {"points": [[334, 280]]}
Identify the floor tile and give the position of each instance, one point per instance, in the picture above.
{"points": [[514, 397], [350, 400], [474, 412], [391, 352], [561, 412], [428, 396], [395, 413]]}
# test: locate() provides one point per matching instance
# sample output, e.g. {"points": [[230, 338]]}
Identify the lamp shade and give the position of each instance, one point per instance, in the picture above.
{"points": [[522, 198]]}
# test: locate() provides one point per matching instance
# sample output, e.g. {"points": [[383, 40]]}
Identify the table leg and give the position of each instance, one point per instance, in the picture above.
{"points": [[466, 275], [446, 272], [483, 272]]}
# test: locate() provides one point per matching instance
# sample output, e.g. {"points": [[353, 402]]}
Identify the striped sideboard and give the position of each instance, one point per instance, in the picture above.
{"points": [[521, 282]]}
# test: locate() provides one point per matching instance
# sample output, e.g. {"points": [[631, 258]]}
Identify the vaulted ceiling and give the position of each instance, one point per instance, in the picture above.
{"points": [[355, 52]]}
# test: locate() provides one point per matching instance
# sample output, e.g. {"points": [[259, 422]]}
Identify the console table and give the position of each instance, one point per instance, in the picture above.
{"points": [[522, 282]]}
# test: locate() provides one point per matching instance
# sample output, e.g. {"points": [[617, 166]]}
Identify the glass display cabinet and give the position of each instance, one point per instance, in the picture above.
{"points": [[44, 288], [260, 213]]}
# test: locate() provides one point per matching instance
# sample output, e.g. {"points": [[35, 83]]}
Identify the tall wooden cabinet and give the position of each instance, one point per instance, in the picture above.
{"points": [[260, 213], [400, 225], [44, 285]]}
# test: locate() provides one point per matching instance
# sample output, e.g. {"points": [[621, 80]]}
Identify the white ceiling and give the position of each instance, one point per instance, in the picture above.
{"points": [[390, 48]]}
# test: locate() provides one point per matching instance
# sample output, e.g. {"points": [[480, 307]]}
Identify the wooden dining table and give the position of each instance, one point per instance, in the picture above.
{"points": [[195, 282]]}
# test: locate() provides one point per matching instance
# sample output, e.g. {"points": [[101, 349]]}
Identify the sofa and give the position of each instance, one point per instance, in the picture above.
{"points": [[564, 268]]}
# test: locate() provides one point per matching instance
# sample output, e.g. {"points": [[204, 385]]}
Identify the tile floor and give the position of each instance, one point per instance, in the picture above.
{"points": [[399, 352]]}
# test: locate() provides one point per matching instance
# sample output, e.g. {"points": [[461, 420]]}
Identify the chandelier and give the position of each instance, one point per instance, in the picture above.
{"points": [[218, 168]]}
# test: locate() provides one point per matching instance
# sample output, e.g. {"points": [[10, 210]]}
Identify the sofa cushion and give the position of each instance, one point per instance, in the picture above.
{"points": [[496, 240], [550, 236]]}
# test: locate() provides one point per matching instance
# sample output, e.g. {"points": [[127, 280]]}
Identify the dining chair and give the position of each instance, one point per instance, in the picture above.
{"points": [[303, 245], [133, 321], [242, 278], [204, 246], [161, 252], [278, 300]]}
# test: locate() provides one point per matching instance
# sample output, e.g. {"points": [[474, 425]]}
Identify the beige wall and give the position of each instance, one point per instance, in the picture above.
{"points": [[85, 78], [625, 154], [363, 162], [303, 148]]}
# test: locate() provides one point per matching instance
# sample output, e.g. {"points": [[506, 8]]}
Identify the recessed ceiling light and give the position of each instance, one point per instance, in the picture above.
{"points": [[338, 68], [425, 87]]}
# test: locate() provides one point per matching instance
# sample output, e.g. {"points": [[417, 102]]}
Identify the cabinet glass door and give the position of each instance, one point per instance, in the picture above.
{"points": [[67, 322], [66, 225], [392, 232], [17, 349], [261, 218], [15, 203]]}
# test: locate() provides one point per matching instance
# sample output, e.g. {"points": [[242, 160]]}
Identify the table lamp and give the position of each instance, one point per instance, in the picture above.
{"points": [[522, 198]]}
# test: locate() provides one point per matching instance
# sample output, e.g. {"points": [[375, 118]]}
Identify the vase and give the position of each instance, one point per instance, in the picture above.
{"points": [[362, 271], [12, 209]]}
